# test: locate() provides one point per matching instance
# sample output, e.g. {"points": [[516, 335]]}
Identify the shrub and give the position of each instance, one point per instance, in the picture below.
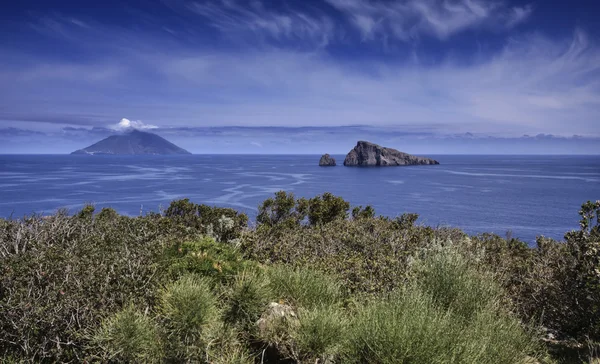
{"points": [[326, 208], [247, 299], [320, 335], [128, 336], [403, 328], [60, 275], [562, 287], [274, 211], [455, 285], [181, 208], [208, 219], [368, 255], [187, 309], [205, 257], [304, 287], [284, 209], [225, 347], [107, 214], [367, 213], [406, 220], [418, 324]]}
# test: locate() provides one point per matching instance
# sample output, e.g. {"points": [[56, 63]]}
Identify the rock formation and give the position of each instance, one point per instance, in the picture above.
{"points": [[327, 161], [369, 154], [133, 142]]}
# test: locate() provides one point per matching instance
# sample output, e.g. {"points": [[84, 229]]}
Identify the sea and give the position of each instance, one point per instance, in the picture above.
{"points": [[522, 196]]}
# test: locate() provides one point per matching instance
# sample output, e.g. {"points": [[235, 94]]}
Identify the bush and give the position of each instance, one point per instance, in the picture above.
{"points": [[359, 213], [247, 299], [225, 347], [321, 333], [205, 257], [128, 336], [561, 289], [226, 224], [368, 255], [278, 293], [61, 275], [325, 209], [285, 210], [404, 328], [187, 309], [303, 287], [282, 208], [455, 285], [426, 322]]}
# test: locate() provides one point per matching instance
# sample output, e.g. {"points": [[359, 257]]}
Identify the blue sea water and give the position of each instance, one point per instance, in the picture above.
{"points": [[527, 195]]}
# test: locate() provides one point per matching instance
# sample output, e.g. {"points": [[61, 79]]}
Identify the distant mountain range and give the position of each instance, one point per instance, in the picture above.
{"points": [[134, 142]]}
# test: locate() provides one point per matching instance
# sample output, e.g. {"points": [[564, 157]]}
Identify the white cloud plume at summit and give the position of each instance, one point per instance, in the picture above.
{"points": [[125, 124]]}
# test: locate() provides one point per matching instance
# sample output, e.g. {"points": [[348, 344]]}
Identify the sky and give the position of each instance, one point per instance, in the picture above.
{"points": [[305, 77]]}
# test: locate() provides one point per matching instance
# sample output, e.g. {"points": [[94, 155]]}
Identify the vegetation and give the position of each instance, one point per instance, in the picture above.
{"points": [[315, 281]]}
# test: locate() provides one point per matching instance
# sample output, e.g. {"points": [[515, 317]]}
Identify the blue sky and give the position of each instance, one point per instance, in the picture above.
{"points": [[274, 76]]}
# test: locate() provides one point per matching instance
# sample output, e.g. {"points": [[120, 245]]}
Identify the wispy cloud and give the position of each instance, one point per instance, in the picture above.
{"points": [[238, 19], [411, 19], [533, 85], [374, 19], [530, 84]]}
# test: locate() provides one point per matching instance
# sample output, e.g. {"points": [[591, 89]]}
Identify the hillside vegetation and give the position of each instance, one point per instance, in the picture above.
{"points": [[315, 281]]}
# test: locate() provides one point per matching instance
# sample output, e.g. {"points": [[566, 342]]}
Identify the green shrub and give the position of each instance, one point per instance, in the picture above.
{"points": [[455, 285], [247, 299], [410, 327], [224, 223], [107, 214], [128, 336], [368, 255], [187, 309], [224, 346], [285, 210], [321, 333], [275, 211], [60, 275], [404, 328], [304, 287], [326, 208], [367, 213], [406, 221], [86, 212], [205, 257], [425, 294]]}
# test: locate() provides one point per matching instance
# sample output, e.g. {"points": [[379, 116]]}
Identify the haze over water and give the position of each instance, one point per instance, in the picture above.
{"points": [[527, 195]]}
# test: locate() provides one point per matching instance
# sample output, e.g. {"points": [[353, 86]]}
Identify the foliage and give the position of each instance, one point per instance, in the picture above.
{"points": [[224, 223], [284, 209], [325, 209], [187, 308], [206, 257], [247, 299], [308, 284], [456, 286], [61, 275], [564, 290], [368, 255], [128, 336], [86, 212], [278, 210], [359, 212], [304, 287], [418, 324], [321, 333]]}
